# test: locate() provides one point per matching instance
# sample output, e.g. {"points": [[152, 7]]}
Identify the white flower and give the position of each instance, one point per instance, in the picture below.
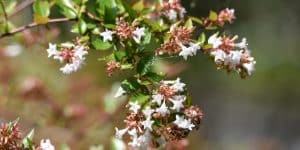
{"points": [[133, 133], [80, 52], [189, 51], [134, 106], [52, 50], [107, 35], [183, 123], [46, 145], [120, 92], [138, 33], [178, 85], [242, 44], [194, 47], [120, 133], [145, 139], [69, 68], [148, 123], [250, 67], [215, 41], [163, 109], [185, 52], [136, 142], [233, 59], [148, 112], [182, 12], [177, 102], [172, 15], [157, 98], [231, 10], [219, 56]]}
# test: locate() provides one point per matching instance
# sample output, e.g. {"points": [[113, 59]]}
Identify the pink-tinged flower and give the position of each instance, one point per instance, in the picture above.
{"points": [[226, 15]]}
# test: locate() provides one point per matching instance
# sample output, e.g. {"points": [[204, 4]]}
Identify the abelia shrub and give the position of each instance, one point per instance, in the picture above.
{"points": [[134, 36]]}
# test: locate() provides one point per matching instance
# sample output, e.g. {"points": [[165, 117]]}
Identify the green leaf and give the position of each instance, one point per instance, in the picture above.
{"points": [[139, 97], [131, 12], [213, 16], [102, 5], [145, 64], [110, 15], [131, 85], [41, 10], [189, 23], [119, 55], [82, 26], [139, 6], [27, 141], [202, 38], [197, 20], [67, 8], [99, 44], [154, 77]]}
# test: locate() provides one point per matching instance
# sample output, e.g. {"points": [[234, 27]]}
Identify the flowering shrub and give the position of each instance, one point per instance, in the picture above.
{"points": [[135, 36]]}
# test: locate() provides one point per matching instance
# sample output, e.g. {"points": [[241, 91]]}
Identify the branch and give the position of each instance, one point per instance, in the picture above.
{"points": [[20, 7], [32, 25]]}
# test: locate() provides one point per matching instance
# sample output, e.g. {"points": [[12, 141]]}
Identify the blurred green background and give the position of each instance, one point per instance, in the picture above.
{"points": [[258, 113]]}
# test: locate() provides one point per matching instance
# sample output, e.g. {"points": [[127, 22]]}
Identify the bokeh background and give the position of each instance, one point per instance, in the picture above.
{"points": [[258, 113]]}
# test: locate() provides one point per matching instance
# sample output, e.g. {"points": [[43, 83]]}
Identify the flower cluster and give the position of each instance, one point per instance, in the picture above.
{"points": [[10, 135], [173, 10], [72, 54], [124, 31], [10, 139], [224, 16], [165, 116], [232, 56], [180, 43]]}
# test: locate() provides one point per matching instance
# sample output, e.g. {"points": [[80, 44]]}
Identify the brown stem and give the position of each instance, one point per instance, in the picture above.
{"points": [[32, 25]]}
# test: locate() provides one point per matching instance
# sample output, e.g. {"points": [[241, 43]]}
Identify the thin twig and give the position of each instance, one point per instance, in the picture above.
{"points": [[5, 15], [32, 25], [20, 7]]}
